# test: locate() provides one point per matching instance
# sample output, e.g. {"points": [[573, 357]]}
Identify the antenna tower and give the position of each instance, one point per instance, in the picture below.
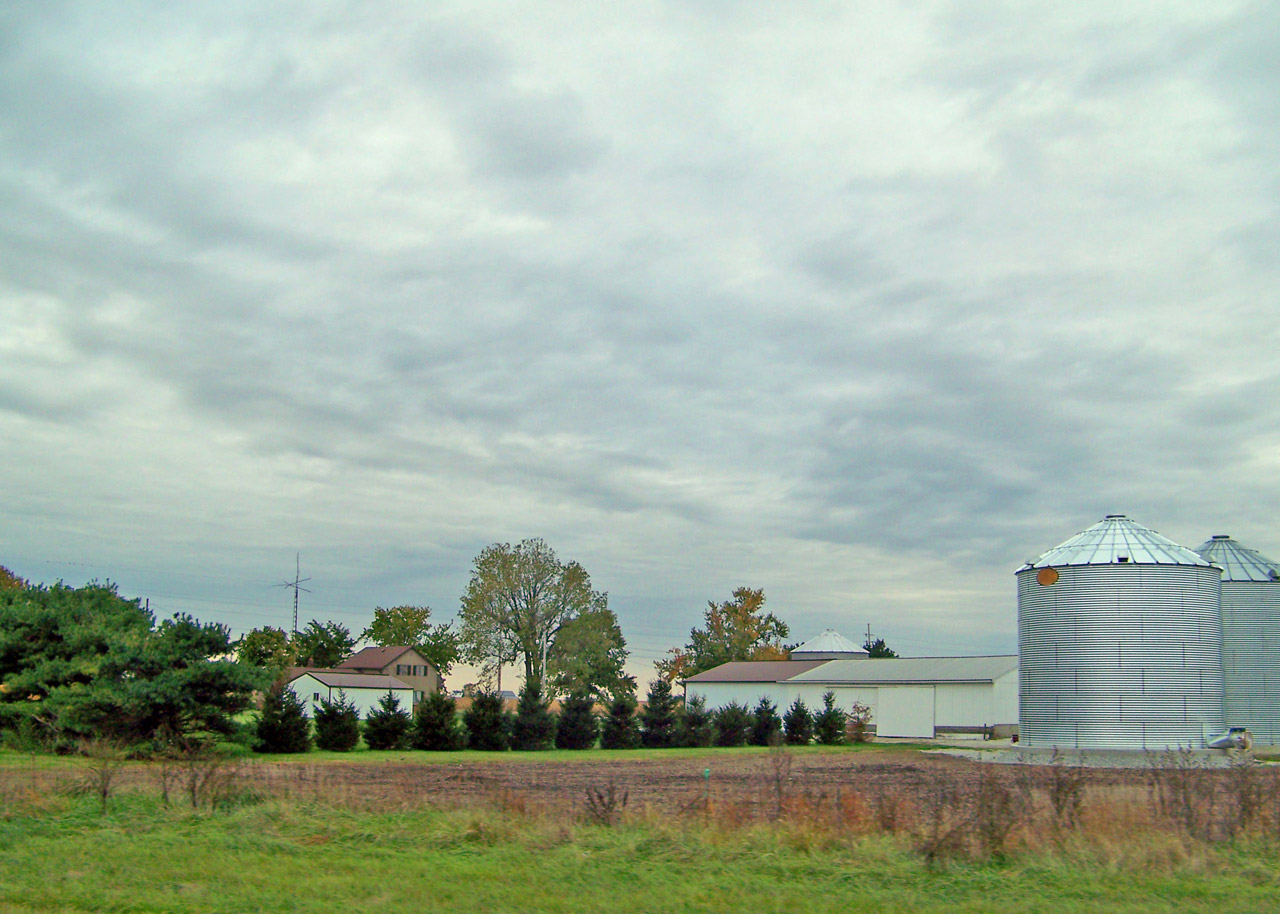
{"points": [[296, 583]]}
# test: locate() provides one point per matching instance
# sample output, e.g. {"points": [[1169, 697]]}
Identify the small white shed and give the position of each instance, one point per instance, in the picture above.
{"points": [[364, 690]]}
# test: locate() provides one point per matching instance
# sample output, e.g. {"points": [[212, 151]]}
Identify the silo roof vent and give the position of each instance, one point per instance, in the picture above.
{"points": [[1116, 539], [1238, 562]]}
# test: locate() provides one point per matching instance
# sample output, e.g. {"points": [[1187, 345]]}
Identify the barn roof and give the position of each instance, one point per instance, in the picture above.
{"points": [[913, 670], [756, 671], [338, 679]]}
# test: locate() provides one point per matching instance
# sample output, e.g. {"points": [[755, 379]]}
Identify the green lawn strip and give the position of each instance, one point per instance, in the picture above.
{"points": [[311, 858]]}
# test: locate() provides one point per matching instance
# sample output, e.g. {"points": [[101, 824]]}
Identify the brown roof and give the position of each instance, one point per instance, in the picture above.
{"points": [[340, 679], [756, 671], [372, 658]]}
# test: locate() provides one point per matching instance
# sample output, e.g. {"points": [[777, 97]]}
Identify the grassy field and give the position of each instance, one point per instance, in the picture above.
{"points": [[249, 850], [271, 857]]}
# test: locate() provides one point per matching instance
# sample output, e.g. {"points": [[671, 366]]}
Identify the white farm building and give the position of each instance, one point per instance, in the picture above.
{"points": [[364, 690], [917, 697]]}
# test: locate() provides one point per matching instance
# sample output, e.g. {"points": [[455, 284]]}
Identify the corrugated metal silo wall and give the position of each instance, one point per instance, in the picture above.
{"points": [[1251, 657], [1120, 656]]}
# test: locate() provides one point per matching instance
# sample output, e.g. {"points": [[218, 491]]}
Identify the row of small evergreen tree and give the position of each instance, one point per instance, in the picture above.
{"points": [[664, 722]]}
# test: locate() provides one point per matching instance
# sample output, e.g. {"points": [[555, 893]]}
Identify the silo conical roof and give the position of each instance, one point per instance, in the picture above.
{"points": [[1238, 562], [829, 642], [1117, 539]]}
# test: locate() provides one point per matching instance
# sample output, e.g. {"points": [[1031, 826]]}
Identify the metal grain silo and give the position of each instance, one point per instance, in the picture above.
{"points": [[1120, 642], [1250, 637]]}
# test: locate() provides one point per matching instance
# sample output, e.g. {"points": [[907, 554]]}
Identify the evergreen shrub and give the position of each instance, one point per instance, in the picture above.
{"points": [[337, 725], [387, 727]]}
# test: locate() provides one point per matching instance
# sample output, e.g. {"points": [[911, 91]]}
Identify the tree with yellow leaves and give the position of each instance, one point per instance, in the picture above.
{"points": [[737, 629], [9, 580]]}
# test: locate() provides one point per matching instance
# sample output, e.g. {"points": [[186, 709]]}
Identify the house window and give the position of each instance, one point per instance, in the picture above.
{"points": [[315, 696], [399, 669]]}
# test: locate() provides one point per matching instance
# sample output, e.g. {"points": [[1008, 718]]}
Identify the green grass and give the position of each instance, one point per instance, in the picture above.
{"points": [[65, 857]]}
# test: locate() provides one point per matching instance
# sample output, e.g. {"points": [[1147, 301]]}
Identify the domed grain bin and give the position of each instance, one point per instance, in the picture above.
{"points": [[1120, 642], [1250, 637]]}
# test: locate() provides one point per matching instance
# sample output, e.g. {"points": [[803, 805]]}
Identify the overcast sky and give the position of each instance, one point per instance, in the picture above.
{"points": [[862, 304]]}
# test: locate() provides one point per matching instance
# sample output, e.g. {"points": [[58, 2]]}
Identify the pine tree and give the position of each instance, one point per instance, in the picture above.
{"points": [[435, 724], [733, 725], [487, 722], [658, 719], [577, 727], [337, 725], [798, 724], [694, 727], [767, 728], [283, 726], [828, 724], [533, 728], [388, 726], [620, 729]]}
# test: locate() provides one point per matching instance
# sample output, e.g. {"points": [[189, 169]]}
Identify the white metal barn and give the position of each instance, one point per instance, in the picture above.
{"points": [[364, 690], [912, 697]]}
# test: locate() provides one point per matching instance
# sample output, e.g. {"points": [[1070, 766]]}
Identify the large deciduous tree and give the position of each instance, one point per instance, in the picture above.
{"points": [[266, 647], [519, 601], [323, 644], [737, 629], [407, 626], [588, 657]]}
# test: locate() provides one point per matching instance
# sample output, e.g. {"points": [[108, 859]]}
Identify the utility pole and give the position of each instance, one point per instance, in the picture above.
{"points": [[296, 583]]}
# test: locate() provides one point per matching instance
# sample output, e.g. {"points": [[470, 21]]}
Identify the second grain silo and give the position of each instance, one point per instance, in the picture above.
{"points": [[1250, 637], [1120, 642]]}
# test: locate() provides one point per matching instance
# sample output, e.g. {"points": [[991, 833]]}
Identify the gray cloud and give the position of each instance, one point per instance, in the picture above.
{"points": [[704, 296]]}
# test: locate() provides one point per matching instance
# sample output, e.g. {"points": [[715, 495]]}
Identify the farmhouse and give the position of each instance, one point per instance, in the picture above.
{"points": [[364, 690], [404, 663], [917, 697]]}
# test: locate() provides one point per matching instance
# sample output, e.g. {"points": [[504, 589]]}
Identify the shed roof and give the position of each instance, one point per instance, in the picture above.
{"points": [[338, 679], [756, 670], [1238, 562], [919, 670], [1113, 538]]}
